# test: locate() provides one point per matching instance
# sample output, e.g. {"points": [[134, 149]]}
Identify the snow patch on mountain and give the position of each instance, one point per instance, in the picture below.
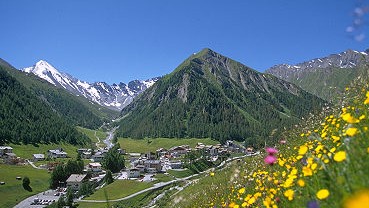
{"points": [[115, 96], [345, 60]]}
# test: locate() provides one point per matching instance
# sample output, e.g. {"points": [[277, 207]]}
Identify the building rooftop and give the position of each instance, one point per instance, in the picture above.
{"points": [[94, 164], [5, 147], [38, 155], [76, 178]]}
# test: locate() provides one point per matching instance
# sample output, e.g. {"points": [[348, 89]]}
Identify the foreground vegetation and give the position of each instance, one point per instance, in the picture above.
{"points": [[323, 163], [147, 145], [13, 192]]}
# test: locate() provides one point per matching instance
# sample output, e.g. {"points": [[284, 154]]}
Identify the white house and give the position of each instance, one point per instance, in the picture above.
{"points": [[152, 164], [75, 181], [133, 173], [180, 150], [98, 157], [95, 167], [175, 164], [57, 153], [5, 149], [38, 157]]}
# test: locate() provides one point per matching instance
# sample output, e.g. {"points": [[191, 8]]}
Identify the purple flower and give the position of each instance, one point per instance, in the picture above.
{"points": [[271, 151], [313, 204], [270, 159]]}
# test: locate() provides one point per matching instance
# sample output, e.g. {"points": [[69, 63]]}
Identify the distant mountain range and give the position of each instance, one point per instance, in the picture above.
{"points": [[324, 77], [115, 96], [208, 95], [213, 96]]}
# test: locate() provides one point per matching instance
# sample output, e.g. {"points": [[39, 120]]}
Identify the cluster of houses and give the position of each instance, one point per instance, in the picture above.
{"points": [[151, 162], [96, 155], [172, 158], [6, 153]]}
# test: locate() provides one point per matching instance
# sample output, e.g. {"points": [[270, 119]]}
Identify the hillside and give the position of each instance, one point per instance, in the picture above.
{"points": [[210, 95], [24, 118], [323, 162], [76, 110], [325, 77]]}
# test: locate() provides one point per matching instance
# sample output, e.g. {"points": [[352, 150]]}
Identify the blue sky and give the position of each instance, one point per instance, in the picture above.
{"points": [[118, 41]]}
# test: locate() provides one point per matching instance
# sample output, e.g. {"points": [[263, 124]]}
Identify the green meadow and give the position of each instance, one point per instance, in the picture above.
{"points": [[13, 192]]}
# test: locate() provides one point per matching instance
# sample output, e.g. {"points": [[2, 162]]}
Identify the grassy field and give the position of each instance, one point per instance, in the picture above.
{"points": [[147, 145], [160, 177], [180, 174], [135, 202], [91, 134], [119, 189], [13, 192], [26, 151]]}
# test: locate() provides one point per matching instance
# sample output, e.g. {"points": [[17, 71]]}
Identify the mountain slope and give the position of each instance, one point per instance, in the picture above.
{"points": [[26, 118], [76, 110], [115, 96], [210, 95], [324, 77]]}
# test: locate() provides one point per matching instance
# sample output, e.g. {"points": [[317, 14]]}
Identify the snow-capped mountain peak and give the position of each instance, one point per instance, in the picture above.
{"points": [[113, 96]]}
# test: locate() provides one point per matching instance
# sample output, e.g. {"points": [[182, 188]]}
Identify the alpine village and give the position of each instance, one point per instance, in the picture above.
{"points": [[213, 133]]}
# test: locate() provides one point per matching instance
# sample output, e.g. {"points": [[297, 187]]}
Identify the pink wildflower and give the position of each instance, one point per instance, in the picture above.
{"points": [[271, 151], [270, 160]]}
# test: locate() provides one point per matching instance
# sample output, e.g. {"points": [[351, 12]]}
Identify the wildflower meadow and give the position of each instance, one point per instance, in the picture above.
{"points": [[324, 162]]}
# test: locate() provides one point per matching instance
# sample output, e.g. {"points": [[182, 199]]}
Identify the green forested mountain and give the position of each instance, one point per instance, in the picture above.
{"points": [[210, 95], [76, 110], [325, 77], [26, 118]]}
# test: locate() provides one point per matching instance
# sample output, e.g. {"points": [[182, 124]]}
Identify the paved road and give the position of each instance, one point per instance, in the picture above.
{"points": [[46, 195], [33, 165]]}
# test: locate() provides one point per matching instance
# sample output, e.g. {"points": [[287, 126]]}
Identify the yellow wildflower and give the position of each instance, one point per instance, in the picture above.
{"points": [[251, 200], [303, 149], [307, 171], [358, 200], [339, 156], [366, 101], [351, 131], [242, 190], [301, 183], [314, 166], [289, 194], [322, 194], [349, 118], [212, 174], [335, 139]]}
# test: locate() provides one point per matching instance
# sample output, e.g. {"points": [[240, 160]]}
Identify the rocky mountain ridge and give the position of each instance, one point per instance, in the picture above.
{"points": [[115, 96], [327, 76]]}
